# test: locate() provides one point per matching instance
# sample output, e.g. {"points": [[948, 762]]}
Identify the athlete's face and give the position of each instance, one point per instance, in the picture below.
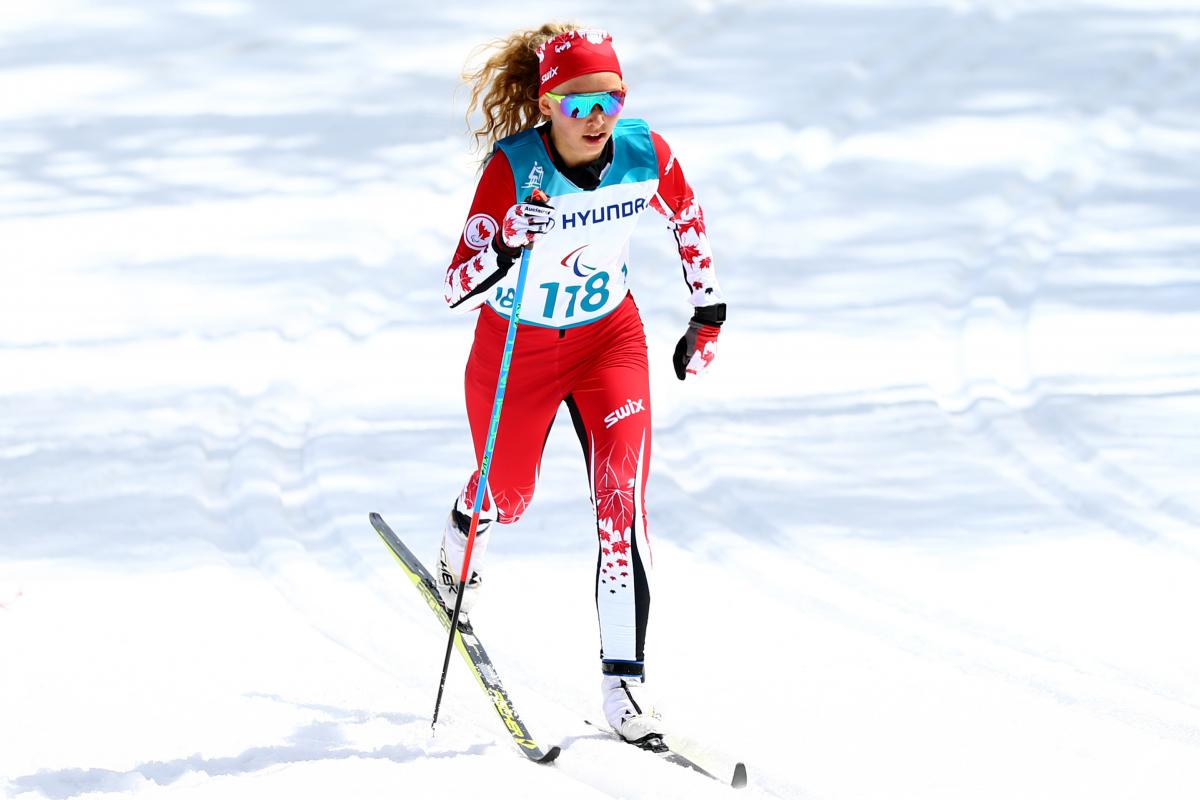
{"points": [[581, 140]]}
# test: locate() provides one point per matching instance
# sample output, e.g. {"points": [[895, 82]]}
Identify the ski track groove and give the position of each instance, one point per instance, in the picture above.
{"points": [[264, 488], [1087, 486], [923, 634]]}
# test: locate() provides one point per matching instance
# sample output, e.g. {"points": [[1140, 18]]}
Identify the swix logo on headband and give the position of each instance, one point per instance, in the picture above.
{"points": [[574, 53]]}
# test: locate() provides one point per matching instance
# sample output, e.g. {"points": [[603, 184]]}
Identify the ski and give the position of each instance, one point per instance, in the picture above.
{"points": [[468, 645], [737, 780]]}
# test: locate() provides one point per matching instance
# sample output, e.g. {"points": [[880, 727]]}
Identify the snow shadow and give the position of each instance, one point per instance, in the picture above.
{"points": [[305, 98], [803, 124], [311, 743], [163, 478]]}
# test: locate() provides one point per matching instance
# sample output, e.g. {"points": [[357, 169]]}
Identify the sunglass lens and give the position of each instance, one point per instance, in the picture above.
{"points": [[581, 105]]}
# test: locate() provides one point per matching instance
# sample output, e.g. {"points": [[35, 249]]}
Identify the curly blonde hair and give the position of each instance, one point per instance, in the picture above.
{"points": [[505, 87]]}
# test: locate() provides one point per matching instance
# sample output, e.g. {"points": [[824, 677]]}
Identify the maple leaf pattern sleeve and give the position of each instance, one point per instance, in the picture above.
{"points": [[475, 267], [675, 201]]}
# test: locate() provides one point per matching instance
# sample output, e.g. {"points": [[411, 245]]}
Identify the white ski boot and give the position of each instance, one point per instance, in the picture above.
{"points": [[450, 559], [630, 714]]}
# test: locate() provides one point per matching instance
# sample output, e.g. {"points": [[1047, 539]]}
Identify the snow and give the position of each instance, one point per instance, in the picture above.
{"points": [[928, 530]]}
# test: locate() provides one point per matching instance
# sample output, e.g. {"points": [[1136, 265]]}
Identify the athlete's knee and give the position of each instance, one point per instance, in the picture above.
{"points": [[503, 504]]}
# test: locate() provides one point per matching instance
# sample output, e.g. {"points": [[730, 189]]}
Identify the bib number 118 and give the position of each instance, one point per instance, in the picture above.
{"points": [[594, 291]]}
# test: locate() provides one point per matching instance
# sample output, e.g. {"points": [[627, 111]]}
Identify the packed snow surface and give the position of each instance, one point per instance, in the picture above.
{"points": [[929, 529]]}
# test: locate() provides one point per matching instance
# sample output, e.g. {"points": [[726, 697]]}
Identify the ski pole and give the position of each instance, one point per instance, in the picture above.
{"points": [[538, 196]]}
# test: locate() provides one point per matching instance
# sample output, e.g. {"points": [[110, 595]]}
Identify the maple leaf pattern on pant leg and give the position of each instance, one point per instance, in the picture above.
{"points": [[615, 482]]}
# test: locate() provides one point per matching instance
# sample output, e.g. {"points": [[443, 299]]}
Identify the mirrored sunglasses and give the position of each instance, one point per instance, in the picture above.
{"points": [[581, 105]]}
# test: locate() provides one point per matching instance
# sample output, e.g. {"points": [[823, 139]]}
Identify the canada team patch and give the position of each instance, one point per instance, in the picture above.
{"points": [[479, 231]]}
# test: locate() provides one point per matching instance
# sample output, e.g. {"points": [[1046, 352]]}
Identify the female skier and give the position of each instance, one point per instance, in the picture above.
{"points": [[580, 339]]}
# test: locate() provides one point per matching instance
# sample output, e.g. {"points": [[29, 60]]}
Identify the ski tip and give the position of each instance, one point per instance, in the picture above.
{"points": [[739, 776], [374, 517], [550, 755]]}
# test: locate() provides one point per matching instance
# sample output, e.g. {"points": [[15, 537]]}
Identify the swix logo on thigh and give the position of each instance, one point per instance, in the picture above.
{"points": [[630, 408]]}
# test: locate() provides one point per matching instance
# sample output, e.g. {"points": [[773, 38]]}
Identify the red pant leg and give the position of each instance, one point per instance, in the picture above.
{"points": [[532, 395]]}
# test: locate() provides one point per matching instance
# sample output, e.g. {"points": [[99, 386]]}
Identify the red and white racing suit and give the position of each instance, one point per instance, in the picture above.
{"points": [[598, 368]]}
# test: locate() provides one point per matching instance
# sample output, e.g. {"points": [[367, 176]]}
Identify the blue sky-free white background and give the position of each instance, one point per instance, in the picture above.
{"points": [[929, 529]]}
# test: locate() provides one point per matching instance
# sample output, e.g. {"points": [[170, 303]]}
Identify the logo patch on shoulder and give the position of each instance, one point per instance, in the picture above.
{"points": [[479, 231]]}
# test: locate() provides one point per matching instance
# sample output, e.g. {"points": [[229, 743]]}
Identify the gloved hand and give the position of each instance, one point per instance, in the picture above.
{"points": [[524, 223], [698, 347]]}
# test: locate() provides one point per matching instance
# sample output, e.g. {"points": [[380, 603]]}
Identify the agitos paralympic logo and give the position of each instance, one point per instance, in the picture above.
{"points": [[582, 270]]}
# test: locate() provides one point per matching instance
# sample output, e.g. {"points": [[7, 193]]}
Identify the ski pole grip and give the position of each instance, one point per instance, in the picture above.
{"points": [[538, 198]]}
